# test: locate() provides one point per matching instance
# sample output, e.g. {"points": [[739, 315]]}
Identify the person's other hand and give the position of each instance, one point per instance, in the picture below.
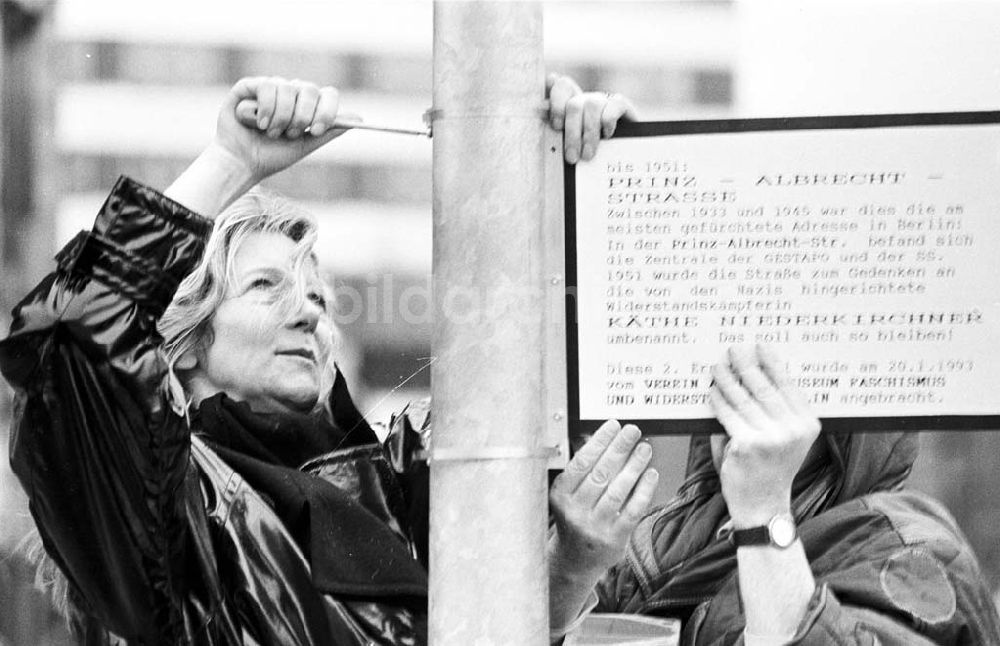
{"points": [[269, 123], [598, 501], [583, 117], [769, 431]]}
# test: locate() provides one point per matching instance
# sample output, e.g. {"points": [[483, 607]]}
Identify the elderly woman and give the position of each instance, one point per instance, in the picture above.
{"points": [[194, 463]]}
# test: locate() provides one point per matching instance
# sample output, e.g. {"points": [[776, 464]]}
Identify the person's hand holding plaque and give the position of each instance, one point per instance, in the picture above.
{"points": [[770, 431], [583, 117]]}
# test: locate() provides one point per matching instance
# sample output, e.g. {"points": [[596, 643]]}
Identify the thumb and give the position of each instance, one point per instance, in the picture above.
{"points": [[246, 113], [242, 90]]}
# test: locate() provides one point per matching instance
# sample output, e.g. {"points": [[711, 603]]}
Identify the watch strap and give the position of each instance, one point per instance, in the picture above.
{"points": [[780, 532], [760, 535]]}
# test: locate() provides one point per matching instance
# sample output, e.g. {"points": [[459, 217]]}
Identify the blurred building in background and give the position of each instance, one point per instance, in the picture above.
{"points": [[135, 91]]}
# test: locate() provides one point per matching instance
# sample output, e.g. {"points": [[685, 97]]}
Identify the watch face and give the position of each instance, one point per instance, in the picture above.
{"points": [[782, 531]]}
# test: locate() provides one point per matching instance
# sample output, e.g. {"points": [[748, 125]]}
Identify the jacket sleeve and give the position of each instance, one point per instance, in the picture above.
{"points": [[829, 622], [921, 598], [94, 443]]}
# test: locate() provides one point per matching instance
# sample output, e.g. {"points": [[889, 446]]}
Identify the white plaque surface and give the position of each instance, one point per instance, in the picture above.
{"points": [[864, 250]]}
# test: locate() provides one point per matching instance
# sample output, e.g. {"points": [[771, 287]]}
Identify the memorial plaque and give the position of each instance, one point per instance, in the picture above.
{"points": [[865, 250]]}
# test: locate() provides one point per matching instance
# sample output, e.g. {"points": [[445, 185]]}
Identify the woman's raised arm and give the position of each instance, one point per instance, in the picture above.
{"points": [[265, 125]]}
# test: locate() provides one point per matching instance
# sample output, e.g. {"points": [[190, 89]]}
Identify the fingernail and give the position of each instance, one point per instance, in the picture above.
{"points": [[571, 156], [644, 449], [631, 433], [318, 129], [651, 475], [263, 122], [292, 133], [588, 152], [273, 133]]}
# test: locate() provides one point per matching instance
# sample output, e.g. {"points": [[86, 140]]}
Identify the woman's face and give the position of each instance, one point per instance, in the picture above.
{"points": [[261, 354]]}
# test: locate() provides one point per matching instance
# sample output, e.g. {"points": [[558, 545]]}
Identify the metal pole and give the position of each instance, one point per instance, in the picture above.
{"points": [[489, 582]]}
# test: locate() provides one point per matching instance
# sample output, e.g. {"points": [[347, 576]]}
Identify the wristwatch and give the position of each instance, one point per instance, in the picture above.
{"points": [[779, 531]]}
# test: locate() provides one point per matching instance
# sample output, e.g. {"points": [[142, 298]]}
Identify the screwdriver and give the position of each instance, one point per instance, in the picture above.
{"points": [[246, 114]]}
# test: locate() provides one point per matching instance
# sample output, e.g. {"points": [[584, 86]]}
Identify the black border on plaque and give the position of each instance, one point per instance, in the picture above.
{"points": [[655, 427]]}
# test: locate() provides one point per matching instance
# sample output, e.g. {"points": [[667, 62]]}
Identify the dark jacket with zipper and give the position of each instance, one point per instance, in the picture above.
{"points": [[164, 541], [891, 566]]}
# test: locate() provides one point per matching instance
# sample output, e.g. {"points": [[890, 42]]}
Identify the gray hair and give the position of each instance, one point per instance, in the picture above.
{"points": [[186, 325]]}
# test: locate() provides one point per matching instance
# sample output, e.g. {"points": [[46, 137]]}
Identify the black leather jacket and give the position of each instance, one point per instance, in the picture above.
{"points": [[159, 537]]}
